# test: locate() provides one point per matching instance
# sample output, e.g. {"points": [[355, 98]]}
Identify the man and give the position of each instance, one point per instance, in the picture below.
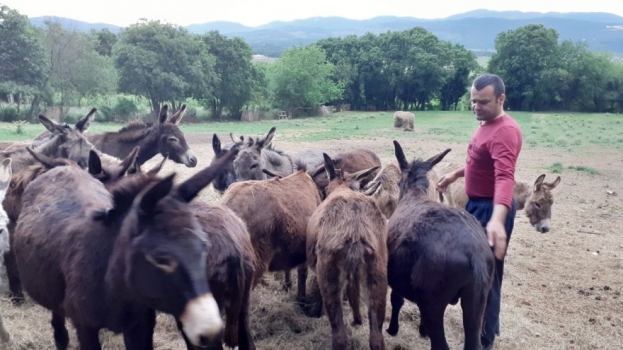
{"points": [[489, 174]]}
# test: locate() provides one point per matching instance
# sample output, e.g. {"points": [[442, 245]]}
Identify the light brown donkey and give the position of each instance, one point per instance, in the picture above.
{"points": [[347, 248]]}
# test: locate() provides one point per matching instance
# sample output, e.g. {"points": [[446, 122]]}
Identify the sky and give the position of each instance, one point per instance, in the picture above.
{"points": [[254, 12]]}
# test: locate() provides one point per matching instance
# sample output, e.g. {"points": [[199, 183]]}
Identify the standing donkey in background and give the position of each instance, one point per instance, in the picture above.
{"points": [[347, 248], [437, 255], [5, 179]]}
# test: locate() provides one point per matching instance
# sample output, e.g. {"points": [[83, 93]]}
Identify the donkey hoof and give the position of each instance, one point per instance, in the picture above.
{"points": [[393, 331]]}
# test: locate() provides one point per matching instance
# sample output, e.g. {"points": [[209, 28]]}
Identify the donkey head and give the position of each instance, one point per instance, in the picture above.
{"points": [[110, 173], [249, 163], [172, 141], [414, 174], [161, 244], [339, 178], [538, 207], [5, 180], [227, 176], [70, 141]]}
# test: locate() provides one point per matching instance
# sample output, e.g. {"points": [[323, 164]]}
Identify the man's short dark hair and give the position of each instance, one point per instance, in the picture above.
{"points": [[484, 80]]}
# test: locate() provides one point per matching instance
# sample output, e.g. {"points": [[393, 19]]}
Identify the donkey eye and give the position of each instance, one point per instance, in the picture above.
{"points": [[253, 166], [172, 139], [537, 205], [163, 262]]}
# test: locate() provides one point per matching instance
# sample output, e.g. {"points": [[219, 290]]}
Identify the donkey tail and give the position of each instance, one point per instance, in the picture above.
{"points": [[483, 272]]}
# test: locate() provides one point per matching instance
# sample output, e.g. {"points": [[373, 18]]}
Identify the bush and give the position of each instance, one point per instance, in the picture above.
{"points": [[9, 114], [123, 111]]}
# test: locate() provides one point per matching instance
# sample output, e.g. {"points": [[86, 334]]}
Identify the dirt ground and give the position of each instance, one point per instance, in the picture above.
{"points": [[562, 289]]}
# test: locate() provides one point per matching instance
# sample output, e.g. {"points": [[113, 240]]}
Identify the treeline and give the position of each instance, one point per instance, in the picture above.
{"points": [[409, 70]]}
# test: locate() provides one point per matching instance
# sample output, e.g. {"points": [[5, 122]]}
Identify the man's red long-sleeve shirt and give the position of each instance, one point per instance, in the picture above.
{"points": [[491, 158]]}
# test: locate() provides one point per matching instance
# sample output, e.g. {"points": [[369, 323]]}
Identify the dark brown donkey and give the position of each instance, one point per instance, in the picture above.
{"points": [[230, 268], [437, 255], [164, 137], [110, 258], [276, 212], [347, 248]]}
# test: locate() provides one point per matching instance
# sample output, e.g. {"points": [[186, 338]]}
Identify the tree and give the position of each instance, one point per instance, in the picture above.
{"points": [[163, 63], [105, 40], [302, 77], [463, 63], [235, 72], [76, 69], [522, 55], [23, 68]]}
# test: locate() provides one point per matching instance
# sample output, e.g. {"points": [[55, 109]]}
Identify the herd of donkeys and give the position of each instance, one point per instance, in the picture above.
{"points": [[89, 235]]}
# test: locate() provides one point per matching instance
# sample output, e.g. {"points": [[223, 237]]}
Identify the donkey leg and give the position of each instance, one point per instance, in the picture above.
{"points": [[141, 337], [61, 336], [88, 337], [302, 282], [329, 282], [314, 304], [377, 300], [12, 274], [4, 335], [473, 307], [287, 280], [353, 293], [245, 337], [432, 312], [397, 301]]}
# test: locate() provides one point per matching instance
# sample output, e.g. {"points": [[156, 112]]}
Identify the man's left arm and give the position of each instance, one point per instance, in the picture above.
{"points": [[504, 150]]}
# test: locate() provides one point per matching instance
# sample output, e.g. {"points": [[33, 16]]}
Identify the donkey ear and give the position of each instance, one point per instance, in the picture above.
{"points": [[154, 194], [363, 173], [163, 114], [216, 144], [371, 188], [274, 173], [538, 183], [328, 164], [437, 158], [129, 161], [41, 158], [552, 185], [266, 140], [177, 117], [319, 169], [155, 170], [95, 163], [83, 124], [400, 156], [48, 123], [190, 188], [5, 174]]}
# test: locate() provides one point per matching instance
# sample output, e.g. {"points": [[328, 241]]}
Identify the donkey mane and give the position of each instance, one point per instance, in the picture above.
{"points": [[132, 131], [418, 170]]}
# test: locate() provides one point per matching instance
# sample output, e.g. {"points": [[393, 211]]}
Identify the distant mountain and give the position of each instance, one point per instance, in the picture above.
{"points": [[602, 17], [73, 24], [476, 29], [221, 26]]}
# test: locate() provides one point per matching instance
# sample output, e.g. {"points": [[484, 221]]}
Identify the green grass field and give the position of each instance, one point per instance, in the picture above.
{"points": [[552, 130]]}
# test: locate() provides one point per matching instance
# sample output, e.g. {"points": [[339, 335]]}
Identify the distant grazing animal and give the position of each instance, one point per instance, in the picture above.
{"points": [[276, 212], [437, 255], [536, 200], [110, 258], [350, 162], [5, 179], [163, 137], [347, 249]]}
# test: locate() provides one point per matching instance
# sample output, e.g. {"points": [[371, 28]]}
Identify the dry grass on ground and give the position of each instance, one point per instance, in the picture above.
{"points": [[562, 290]]}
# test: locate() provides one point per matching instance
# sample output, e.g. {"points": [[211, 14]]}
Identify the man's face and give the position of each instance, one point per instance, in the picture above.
{"points": [[485, 105]]}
